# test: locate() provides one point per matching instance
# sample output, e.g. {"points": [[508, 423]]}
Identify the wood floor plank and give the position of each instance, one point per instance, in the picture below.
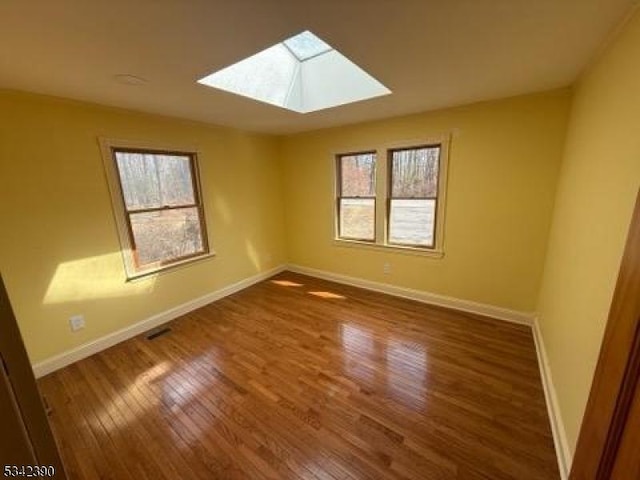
{"points": [[301, 378]]}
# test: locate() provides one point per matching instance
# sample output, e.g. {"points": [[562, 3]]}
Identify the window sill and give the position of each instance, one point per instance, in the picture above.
{"points": [[421, 252], [142, 274]]}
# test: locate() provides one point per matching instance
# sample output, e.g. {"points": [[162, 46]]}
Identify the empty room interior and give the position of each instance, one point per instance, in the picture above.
{"points": [[320, 240]]}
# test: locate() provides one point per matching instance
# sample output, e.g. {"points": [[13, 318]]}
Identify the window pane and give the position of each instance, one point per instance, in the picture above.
{"points": [[306, 45], [152, 180], [358, 175], [357, 218], [166, 235], [415, 172], [266, 76], [412, 222]]}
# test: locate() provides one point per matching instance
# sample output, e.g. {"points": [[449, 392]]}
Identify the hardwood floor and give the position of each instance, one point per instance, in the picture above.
{"points": [[299, 378]]}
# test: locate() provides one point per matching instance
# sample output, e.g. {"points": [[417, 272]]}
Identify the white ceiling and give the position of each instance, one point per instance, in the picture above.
{"points": [[430, 53]]}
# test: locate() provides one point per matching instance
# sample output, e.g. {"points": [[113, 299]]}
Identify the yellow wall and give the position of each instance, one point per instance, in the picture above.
{"points": [[60, 256], [503, 166], [597, 188], [59, 250]]}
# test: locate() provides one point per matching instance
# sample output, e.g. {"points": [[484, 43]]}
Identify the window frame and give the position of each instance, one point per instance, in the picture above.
{"points": [[390, 197], [340, 197], [122, 214], [383, 187]]}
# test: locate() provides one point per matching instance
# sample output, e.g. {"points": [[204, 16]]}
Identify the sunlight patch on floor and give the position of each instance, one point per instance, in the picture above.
{"points": [[126, 407], [359, 350], [287, 283], [327, 295], [407, 373]]}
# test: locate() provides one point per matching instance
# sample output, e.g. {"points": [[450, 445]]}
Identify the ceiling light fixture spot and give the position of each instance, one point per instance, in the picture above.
{"points": [[131, 80]]}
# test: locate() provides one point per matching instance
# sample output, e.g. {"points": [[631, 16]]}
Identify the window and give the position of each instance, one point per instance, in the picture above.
{"points": [[357, 196], [413, 196], [156, 196], [408, 212]]}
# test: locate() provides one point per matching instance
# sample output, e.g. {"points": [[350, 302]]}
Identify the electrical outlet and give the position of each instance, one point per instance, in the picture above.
{"points": [[386, 268], [76, 322]]}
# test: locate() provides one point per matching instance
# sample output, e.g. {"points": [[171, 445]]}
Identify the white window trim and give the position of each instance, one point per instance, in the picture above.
{"points": [[381, 242], [119, 210]]}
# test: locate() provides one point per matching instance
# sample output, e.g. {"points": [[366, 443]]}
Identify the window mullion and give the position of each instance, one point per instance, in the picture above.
{"points": [[165, 207]]}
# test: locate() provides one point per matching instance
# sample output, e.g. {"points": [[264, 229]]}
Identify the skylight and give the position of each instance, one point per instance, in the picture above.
{"points": [[302, 73]]}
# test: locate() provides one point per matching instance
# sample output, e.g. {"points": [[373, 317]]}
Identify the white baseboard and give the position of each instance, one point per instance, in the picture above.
{"points": [[57, 362], [500, 313], [557, 425]]}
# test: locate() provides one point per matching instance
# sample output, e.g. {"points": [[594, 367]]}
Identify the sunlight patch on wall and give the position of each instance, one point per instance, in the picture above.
{"points": [[94, 278], [223, 209], [254, 256]]}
